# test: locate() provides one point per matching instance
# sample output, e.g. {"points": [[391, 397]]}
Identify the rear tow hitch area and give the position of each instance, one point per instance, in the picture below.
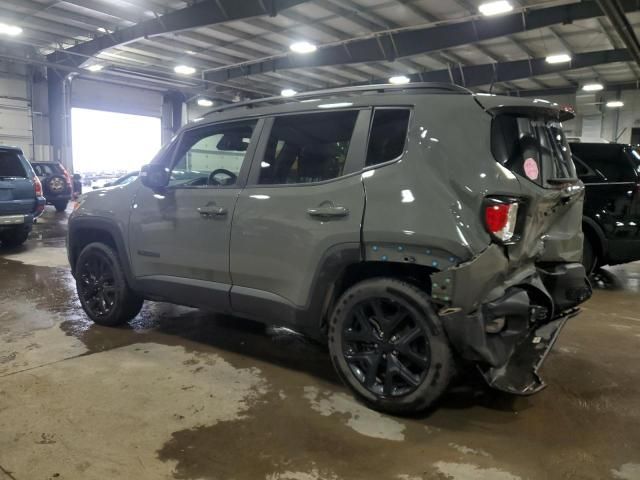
{"points": [[519, 376]]}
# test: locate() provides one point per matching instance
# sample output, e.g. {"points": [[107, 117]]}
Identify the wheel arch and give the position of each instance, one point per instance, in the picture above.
{"points": [[354, 272], [83, 231]]}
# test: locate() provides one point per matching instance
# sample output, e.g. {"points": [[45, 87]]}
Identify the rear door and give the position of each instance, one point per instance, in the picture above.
{"points": [[17, 194], [302, 206]]}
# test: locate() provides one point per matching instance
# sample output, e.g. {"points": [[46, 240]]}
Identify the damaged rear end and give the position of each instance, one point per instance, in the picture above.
{"points": [[507, 305]]}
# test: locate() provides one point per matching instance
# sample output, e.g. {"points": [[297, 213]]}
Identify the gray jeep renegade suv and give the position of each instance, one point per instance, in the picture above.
{"points": [[412, 228]]}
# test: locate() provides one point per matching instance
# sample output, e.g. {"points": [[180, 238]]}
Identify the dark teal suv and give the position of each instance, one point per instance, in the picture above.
{"points": [[411, 228], [21, 200]]}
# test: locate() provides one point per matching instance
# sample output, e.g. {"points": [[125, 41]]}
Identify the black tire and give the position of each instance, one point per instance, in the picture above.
{"points": [[418, 352], [14, 238], [589, 256], [61, 205], [102, 287]]}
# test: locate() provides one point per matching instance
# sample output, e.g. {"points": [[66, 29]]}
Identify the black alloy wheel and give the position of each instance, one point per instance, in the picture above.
{"points": [[96, 284], [385, 347], [388, 345], [102, 286]]}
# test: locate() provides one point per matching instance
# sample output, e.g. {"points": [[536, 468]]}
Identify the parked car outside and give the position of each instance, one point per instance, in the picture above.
{"points": [[57, 183], [21, 200], [121, 181], [412, 228], [611, 222]]}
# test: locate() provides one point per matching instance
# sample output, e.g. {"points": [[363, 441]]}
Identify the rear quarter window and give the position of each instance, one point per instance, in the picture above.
{"points": [[11, 165]]}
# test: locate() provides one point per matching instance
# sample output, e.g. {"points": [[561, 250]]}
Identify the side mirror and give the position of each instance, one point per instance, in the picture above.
{"points": [[77, 176], [155, 176]]}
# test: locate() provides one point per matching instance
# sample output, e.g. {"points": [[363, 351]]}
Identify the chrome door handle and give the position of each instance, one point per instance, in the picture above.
{"points": [[329, 211], [212, 211]]}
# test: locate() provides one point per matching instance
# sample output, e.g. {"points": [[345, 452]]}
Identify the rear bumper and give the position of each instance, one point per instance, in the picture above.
{"points": [[510, 330], [10, 222]]}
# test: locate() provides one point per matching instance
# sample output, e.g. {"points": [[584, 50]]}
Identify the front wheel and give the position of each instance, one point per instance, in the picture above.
{"points": [[389, 347], [102, 288]]}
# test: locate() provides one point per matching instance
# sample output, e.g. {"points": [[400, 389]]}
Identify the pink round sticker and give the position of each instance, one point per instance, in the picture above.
{"points": [[531, 169]]}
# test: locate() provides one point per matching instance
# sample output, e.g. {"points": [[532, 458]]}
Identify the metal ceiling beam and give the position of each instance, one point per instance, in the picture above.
{"points": [[574, 89], [477, 75], [407, 42], [208, 12], [615, 11]]}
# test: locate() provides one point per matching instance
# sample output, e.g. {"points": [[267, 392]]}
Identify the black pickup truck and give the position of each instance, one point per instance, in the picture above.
{"points": [[21, 199]]}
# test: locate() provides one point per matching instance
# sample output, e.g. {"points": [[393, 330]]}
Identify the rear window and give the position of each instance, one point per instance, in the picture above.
{"points": [[535, 148], [307, 148], [11, 166], [47, 169], [614, 163]]}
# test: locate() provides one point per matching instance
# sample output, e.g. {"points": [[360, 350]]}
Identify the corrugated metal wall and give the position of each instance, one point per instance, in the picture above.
{"points": [[15, 108]]}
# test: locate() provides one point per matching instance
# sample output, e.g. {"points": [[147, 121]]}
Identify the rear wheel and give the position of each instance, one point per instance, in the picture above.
{"points": [[102, 288], [15, 237], [388, 345], [61, 205]]}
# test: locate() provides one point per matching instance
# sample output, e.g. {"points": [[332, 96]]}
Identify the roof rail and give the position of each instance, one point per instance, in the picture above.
{"points": [[382, 88]]}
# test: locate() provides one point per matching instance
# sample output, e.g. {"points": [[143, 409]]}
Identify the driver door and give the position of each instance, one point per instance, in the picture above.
{"points": [[179, 236]]}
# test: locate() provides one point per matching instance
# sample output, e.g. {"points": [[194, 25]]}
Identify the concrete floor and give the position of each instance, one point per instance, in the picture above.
{"points": [[184, 394]]}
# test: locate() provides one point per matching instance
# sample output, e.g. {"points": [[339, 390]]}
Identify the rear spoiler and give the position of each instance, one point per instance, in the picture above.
{"points": [[498, 105]]}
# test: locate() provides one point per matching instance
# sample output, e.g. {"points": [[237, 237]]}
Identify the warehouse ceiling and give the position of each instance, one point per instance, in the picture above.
{"points": [[241, 49]]}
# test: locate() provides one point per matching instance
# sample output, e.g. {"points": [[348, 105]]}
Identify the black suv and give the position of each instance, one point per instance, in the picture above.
{"points": [[611, 222], [57, 183], [21, 199]]}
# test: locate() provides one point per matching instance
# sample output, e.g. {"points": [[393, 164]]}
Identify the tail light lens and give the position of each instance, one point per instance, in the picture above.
{"points": [[66, 175], [500, 218], [37, 187]]}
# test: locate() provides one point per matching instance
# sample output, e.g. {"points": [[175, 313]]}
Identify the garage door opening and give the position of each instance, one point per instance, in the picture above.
{"points": [[108, 145]]}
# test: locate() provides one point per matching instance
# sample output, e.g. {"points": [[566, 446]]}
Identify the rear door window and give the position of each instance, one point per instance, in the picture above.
{"points": [[535, 148], [388, 135], [11, 166], [307, 148]]}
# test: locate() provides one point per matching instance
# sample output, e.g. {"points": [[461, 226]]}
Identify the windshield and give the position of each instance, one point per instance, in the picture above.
{"points": [[535, 148]]}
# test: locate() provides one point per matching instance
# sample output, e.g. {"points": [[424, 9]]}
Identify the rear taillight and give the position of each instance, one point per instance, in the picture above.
{"points": [[500, 218], [66, 176], [37, 187]]}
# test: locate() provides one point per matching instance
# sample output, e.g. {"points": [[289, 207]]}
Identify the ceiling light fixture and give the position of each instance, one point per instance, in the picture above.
{"points": [[335, 105], [399, 80], [593, 87], [11, 30], [288, 92], [303, 47], [184, 70], [560, 58], [205, 102], [615, 104], [96, 67], [495, 8]]}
